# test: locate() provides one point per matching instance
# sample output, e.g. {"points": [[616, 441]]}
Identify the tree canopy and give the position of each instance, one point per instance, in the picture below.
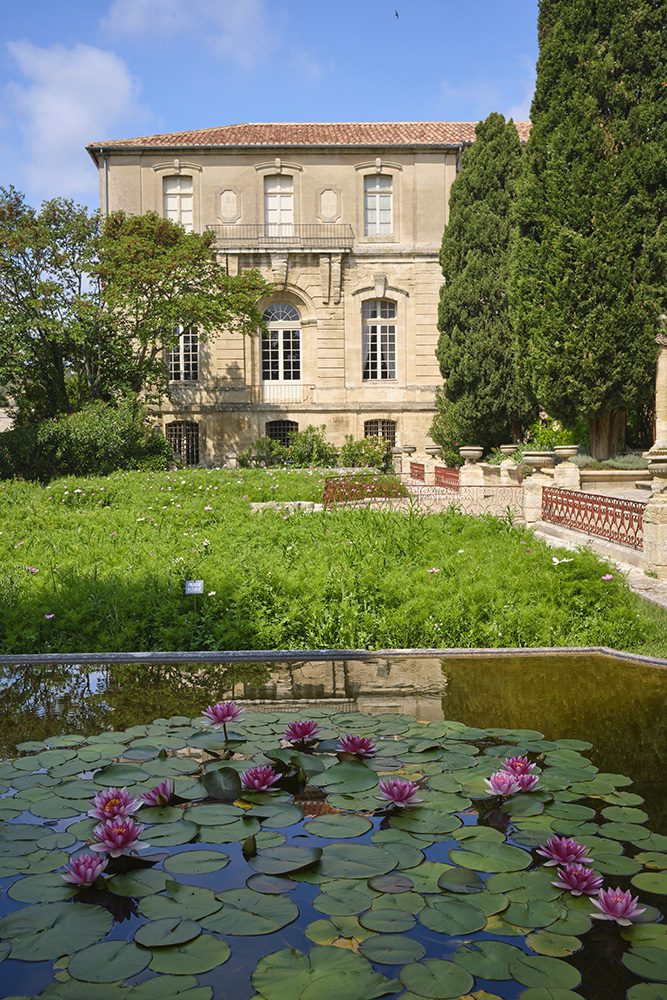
{"points": [[482, 401], [589, 257], [88, 307]]}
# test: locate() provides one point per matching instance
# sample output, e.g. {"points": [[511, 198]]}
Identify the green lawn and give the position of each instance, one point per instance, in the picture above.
{"points": [[106, 560]]}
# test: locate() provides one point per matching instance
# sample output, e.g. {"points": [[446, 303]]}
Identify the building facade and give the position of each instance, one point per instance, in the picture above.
{"points": [[345, 221]]}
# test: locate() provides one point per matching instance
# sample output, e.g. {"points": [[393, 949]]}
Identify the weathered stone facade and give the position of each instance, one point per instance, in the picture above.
{"points": [[334, 217]]}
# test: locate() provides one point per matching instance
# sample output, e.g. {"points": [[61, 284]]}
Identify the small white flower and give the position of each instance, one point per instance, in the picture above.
{"points": [[206, 542], [557, 562], [461, 551], [211, 593]]}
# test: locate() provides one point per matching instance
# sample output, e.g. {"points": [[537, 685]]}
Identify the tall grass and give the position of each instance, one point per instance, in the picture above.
{"points": [[112, 554]]}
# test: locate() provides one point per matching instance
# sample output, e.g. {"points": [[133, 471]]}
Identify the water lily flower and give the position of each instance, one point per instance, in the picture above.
{"points": [[84, 869], [517, 766], [564, 851], [160, 795], [399, 792], [617, 905], [301, 731], [113, 802], [118, 836], [362, 746], [259, 779], [502, 783], [527, 782], [578, 879], [222, 713]]}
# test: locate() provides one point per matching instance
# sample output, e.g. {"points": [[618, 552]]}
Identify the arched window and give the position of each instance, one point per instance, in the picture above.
{"points": [[281, 344], [178, 200], [385, 429], [378, 318], [183, 358], [183, 436], [280, 430]]}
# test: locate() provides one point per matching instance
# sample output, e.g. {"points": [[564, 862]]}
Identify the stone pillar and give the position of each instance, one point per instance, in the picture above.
{"points": [[655, 532], [507, 467], [567, 476], [471, 474], [397, 460], [660, 445], [532, 496], [231, 460]]}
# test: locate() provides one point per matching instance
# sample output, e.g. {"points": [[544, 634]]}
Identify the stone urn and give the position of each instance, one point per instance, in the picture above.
{"points": [[409, 449], [508, 449], [539, 459], [566, 451], [657, 466], [435, 451], [471, 453]]}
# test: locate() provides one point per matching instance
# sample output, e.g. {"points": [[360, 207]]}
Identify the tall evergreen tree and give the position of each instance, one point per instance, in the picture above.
{"points": [[481, 401], [588, 261]]}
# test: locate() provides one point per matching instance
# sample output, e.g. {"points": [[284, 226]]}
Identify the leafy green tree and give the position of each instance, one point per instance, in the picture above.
{"points": [[481, 401], [589, 256], [89, 308]]}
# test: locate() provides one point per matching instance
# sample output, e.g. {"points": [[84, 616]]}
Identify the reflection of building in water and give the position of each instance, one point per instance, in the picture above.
{"points": [[410, 686]]}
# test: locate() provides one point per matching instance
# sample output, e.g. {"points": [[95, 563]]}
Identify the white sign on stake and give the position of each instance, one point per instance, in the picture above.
{"points": [[194, 586]]}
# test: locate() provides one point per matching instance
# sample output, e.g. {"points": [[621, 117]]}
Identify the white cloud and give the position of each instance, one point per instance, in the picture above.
{"points": [[471, 101], [66, 98], [236, 29], [520, 110]]}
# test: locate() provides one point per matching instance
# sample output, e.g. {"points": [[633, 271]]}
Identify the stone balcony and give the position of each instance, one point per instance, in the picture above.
{"points": [[327, 237]]}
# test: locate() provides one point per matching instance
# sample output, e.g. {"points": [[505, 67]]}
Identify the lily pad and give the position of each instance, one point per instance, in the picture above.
{"points": [[540, 971], [44, 933], [339, 826], [108, 962], [279, 860], [247, 912], [391, 949], [647, 962], [143, 882], [486, 959], [196, 862], [201, 955], [655, 882], [436, 978], [166, 933], [291, 975], [491, 857], [387, 920], [451, 915]]}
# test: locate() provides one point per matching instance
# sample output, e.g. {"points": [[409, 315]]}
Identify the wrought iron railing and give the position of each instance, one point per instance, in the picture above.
{"points": [[324, 236], [347, 489], [449, 479], [613, 518], [281, 392], [417, 471]]}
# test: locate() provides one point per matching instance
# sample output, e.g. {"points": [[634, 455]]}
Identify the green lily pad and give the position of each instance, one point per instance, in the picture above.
{"points": [[486, 959], [272, 885], [346, 778], [279, 860], [655, 882], [424, 820], [181, 901], [452, 915], [534, 913], [291, 975], [196, 862], [47, 888], [555, 945], [223, 784], [461, 880], [436, 978], [143, 882], [387, 920], [247, 912], [166, 933], [120, 775], [491, 857], [355, 861], [45, 932], [108, 962], [342, 899], [167, 834], [392, 883], [647, 962], [201, 955], [391, 949], [540, 971], [339, 826]]}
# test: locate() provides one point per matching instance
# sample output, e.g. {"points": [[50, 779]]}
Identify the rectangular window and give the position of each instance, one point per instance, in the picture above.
{"points": [[183, 359], [178, 201], [281, 356], [378, 208], [379, 339], [279, 205]]}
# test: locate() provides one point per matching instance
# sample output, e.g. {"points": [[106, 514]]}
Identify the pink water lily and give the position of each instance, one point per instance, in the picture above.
{"points": [[222, 713], [259, 779], [362, 746], [563, 851], [84, 869], [517, 766], [160, 795], [528, 782], [578, 879], [617, 905], [118, 836], [399, 792], [113, 802], [502, 783], [301, 731]]}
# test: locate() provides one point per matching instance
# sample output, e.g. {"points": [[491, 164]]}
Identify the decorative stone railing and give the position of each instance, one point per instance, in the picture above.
{"points": [[613, 518]]}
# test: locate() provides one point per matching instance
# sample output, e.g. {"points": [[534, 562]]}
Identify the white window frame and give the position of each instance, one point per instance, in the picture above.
{"points": [[279, 204], [278, 362], [183, 358], [178, 200], [378, 340], [378, 205]]}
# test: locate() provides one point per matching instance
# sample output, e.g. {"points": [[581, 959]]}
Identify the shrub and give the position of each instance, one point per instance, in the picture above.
{"points": [[310, 447], [263, 453], [547, 433], [371, 452]]}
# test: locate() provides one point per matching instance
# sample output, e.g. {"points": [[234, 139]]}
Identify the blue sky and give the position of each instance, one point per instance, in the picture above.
{"points": [[82, 70]]}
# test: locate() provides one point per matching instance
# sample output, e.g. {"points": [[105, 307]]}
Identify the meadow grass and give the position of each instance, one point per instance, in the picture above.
{"points": [[100, 564]]}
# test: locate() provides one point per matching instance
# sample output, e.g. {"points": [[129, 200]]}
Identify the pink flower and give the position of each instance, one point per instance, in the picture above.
{"points": [[84, 869], [300, 732], [259, 779], [564, 851], [578, 879], [517, 766], [502, 783], [399, 792], [160, 795], [433, 569], [608, 576], [32, 569], [617, 905], [222, 713], [527, 782], [118, 836], [362, 746], [113, 802]]}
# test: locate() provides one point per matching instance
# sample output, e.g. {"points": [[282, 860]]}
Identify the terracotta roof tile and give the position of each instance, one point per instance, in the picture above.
{"points": [[271, 134]]}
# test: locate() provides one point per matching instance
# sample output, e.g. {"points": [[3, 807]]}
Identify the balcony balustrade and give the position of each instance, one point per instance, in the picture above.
{"points": [[325, 236]]}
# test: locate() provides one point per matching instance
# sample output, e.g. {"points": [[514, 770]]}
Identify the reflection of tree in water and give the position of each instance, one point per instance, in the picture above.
{"points": [[618, 707], [41, 701]]}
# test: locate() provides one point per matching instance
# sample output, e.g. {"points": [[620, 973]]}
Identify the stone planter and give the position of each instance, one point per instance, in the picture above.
{"points": [[471, 454], [434, 452], [566, 451], [539, 459], [508, 449], [409, 449]]}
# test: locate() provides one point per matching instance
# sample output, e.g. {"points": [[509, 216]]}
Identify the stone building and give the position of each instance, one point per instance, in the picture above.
{"points": [[346, 222]]}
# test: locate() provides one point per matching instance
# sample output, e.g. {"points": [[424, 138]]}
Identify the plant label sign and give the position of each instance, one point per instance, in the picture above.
{"points": [[194, 586]]}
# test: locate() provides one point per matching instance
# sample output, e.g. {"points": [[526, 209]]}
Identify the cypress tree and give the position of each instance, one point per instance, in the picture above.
{"points": [[481, 401], [587, 265]]}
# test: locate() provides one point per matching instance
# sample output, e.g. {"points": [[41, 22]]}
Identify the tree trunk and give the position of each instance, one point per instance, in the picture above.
{"points": [[607, 433]]}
